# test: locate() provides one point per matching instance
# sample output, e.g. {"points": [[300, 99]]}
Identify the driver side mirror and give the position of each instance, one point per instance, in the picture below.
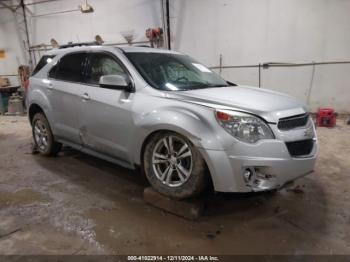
{"points": [[118, 82]]}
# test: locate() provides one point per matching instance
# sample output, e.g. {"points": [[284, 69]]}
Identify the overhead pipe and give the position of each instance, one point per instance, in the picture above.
{"points": [[15, 7], [8, 75], [26, 31], [274, 64], [279, 64], [58, 12], [12, 8], [42, 2], [167, 14]]}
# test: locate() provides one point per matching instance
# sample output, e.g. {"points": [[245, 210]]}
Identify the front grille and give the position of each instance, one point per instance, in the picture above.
{"points": [[293, 122], [300, 148]]}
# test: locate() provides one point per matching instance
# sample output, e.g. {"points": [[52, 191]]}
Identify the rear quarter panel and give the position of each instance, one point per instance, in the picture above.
{"points": [[37, 94]]}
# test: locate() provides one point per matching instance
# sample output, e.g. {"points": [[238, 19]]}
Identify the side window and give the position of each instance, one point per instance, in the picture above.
{"points": [[70, 67], [103, 64], [45, 59]]}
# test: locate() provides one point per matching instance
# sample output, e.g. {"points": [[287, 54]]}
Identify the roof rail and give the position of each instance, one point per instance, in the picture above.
{"points": [[143, 46], [70, 44]]}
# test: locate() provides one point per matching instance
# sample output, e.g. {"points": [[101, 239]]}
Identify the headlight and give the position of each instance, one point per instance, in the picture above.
{"points": [[244, 127]]}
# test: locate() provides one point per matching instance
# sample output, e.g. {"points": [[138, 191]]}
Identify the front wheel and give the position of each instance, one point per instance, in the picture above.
{"points": [[174, 167], [43, 137]]}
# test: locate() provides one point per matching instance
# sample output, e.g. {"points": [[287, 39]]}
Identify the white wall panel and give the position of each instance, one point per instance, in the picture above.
{"points": [[110, 18], [9, 42], [257, 31]]}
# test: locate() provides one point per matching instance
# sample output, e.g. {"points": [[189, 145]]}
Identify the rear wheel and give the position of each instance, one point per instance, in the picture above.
{"points": [[43, 137], [174, 167]]}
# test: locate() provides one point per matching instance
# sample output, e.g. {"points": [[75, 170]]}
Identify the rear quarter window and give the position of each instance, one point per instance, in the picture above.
{"points": [[45, 59]]}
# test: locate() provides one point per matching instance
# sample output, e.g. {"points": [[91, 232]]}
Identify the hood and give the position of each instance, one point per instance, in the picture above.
{"points": [[268, 104]]}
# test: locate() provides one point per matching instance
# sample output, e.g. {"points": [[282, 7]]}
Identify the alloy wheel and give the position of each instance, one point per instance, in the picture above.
{"points": [[41, 135], [172, 161]]}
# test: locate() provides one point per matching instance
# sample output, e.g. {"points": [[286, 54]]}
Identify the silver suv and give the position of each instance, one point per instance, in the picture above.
{"points": [[184, 125]]}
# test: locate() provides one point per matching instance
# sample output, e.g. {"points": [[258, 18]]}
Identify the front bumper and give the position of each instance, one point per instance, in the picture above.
{"points": [[269, 162], [227, 171]]}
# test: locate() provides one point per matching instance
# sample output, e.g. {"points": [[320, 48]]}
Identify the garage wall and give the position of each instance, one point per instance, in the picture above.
{"points": [[9, 42], [110, 19], [258, 31], [243, 31]]}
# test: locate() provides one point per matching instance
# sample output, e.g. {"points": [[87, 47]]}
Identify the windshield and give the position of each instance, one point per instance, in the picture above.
{"points": [[173, 72]]}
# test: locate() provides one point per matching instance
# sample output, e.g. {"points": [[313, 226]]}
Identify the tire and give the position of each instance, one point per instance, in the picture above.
{"points": [[43, 138], [180, 174]]}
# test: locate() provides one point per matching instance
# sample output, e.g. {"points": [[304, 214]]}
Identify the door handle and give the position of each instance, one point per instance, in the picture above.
{"points": [[85, 96], [49, 86]]}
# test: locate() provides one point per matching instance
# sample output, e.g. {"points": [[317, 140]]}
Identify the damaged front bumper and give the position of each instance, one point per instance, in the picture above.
{"points": [[265, 165]]}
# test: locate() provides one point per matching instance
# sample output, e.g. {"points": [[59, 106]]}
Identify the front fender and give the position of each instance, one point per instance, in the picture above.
{"points": [[180, 120]]}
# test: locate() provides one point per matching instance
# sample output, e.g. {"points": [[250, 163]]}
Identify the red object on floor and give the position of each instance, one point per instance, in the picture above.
{"points": [[326, 117]]}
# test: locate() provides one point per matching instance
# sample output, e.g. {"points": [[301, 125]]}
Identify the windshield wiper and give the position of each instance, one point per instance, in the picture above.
{"points": [[218, 85], [201, 86]]}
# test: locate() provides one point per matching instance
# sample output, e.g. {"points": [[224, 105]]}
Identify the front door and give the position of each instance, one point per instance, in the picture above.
{"points": [[105, 122]]}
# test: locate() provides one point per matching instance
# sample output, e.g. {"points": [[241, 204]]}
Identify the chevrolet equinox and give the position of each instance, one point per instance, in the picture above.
{"points": [[163, 111]]}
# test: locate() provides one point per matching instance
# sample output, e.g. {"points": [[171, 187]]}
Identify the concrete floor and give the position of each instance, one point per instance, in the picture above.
{"points": [[77, 204]]}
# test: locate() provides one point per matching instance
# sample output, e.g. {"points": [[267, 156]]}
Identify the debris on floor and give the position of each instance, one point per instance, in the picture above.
{"points": [[297, 189], [189, 209], [34, 148]]}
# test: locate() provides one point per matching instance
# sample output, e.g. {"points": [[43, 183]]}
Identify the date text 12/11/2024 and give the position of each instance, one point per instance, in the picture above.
{"points": [[173, 258]]}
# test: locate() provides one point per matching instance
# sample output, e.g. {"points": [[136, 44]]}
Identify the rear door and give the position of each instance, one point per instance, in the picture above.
{"points": [[105, 114], [65, 84]]}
